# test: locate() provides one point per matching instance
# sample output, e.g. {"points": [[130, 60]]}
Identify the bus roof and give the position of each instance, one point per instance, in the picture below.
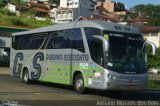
{"points": [[78, 24]]}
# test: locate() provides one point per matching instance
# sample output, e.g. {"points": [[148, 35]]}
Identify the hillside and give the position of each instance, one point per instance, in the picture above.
{"points": [[25, 20], [150, 12]]}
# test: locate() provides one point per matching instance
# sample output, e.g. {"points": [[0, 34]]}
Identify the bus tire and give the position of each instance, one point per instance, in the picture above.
{"points": [[26, 76], [79, 83]]}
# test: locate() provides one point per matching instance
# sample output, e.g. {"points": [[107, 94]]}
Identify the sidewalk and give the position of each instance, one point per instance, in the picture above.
{"points": [[4, 70]]}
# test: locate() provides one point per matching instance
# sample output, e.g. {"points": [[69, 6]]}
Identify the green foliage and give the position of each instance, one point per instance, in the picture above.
{"points": [[30, 13], [27, 19], [154, 21], [54, 1], [153, 84], [6, 12], [151, 12], [147, 11], [15, 21], [153, 61]]}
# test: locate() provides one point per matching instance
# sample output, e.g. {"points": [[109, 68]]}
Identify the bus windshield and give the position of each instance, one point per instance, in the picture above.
{"points": [[126, 53]]}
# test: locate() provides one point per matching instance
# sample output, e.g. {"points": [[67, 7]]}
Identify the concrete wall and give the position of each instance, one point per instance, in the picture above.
{"points": [[153, 37]]}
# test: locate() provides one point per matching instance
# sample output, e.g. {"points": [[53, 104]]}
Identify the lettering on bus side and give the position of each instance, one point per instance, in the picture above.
{"points": [[17, 71], [36, 75]]}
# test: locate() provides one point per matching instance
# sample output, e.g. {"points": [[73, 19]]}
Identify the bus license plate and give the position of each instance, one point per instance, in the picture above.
{"points": [[130, 86]]}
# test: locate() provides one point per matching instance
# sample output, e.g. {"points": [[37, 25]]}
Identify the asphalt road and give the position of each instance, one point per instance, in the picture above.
{"points": [[14, 91]]}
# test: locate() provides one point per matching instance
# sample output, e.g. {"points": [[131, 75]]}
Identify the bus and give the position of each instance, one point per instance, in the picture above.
{"points": [[85, 54]]}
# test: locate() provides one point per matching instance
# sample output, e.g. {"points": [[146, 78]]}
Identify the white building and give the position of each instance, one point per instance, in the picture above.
{"points": [[71, 10], [36, 1], [16, 8], [63, 15], [89, 4], [11, 7], [152, 34]]}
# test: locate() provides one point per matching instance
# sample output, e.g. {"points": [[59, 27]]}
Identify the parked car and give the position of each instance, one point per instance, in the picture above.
{"points": [[154, 70]]}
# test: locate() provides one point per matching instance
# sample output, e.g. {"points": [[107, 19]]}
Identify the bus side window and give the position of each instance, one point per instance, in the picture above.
{"points": [[95, 48], [50, 44], [20, 42], [97, 52], [59, 42], [36, 42], [15, 42], [75, 39]]}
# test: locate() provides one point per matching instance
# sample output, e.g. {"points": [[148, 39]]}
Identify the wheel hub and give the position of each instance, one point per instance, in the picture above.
{"points": [[79, 83]]}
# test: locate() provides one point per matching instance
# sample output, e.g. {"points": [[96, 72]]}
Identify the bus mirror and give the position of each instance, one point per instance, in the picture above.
{"points": [[104, 41], [153, 47]]}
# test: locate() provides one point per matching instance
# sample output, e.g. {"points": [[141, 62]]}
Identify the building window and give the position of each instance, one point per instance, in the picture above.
{"points": [[58, 15], [69, 15], [76, 3], [64, 15], [92, 5]]}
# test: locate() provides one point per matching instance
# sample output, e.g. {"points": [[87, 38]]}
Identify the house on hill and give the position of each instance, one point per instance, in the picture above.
{"points": [[71, 10], [16, 8], [42, 10]]}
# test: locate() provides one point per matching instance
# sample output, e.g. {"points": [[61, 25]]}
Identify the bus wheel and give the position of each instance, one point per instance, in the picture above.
{"points": [[79, 83], [26, 76]]}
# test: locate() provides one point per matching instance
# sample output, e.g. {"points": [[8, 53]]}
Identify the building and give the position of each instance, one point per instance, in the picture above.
{"points": [[39, 1], [106, 17], [42, 10], [16, 8], [151, 34], [65, 15], [89, 4], [113, 7], [71, 10]]}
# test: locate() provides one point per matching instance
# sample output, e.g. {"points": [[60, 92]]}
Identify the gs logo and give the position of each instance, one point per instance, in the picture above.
{"points": [[36, 66]]}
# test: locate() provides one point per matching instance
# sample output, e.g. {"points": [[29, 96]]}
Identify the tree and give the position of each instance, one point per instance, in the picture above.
{"points": [[154, 21], [54, 1], [146, 11], [138, 10], [153, 61]]}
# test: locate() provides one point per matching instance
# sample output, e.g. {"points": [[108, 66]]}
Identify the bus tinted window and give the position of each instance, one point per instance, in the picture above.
{"points": [[36, 43], [14, 43], [28, 42], [20, 42], [70, 38], [76, 40], [89, 35], [60, 42]]}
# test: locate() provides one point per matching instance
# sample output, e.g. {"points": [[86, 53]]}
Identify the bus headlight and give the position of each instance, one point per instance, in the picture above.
{"points": [[112, 77], [109, 76]]}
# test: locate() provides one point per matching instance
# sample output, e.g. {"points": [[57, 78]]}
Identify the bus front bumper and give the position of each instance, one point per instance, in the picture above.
{"points": [[117, 85], [111, 84]]}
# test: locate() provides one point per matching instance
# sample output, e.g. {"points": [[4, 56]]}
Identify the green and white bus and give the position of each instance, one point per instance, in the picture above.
{"points": [[85, 54]]}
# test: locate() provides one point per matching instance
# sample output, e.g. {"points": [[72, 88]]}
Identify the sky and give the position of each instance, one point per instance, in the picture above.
{"points": [[131, 3]]}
